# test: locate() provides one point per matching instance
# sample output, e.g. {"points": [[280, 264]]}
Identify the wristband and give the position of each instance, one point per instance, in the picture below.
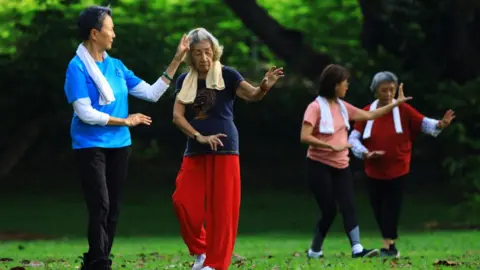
{"points": [[166, 76]]}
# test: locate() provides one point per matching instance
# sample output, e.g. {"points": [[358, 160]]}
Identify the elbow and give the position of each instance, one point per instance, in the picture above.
{"points": [[87, 120], [100, 119], [304, 139], [153, 97], [176, 118]]}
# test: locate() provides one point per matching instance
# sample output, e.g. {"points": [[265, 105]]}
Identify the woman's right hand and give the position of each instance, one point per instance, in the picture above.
{"points": [[137, 119], [213, 140]]}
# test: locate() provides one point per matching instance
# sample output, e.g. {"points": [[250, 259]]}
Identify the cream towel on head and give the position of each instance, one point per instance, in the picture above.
{"points": [[189, 87]]}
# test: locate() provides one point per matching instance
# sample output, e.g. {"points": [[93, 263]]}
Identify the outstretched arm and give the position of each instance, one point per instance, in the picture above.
{"points": [[434, 127], [363, 115], [249, 92], [152, 93]]}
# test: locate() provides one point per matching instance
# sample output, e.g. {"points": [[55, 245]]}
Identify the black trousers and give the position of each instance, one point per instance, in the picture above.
{"points": [[331, 186], [386, 200], [103, 172]]}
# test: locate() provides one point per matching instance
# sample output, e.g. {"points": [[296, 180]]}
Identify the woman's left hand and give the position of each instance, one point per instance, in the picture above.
{"points": [[183, 48], [446, 120], [271, 78]]}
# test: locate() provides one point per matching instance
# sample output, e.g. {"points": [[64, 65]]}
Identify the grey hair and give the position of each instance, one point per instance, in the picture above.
{"points": [[199, 34], [381, 77]]}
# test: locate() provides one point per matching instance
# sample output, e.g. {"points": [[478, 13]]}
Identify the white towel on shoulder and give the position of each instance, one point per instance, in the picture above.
{"points": [[326, 121], [106, 92], [396, 120]]}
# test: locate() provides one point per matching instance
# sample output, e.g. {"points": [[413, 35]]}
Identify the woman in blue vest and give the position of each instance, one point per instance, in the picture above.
{"points": [[97, 85]]}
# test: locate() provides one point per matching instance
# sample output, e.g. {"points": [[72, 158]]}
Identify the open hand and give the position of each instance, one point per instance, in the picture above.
{"points": [[373, 154], [138, 119], [271, 78], [213, 140], [447, 119], [183, 48], [401, 96]]}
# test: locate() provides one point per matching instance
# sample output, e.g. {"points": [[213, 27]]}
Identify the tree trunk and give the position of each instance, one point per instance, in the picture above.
{"points": [[449, 29], [285, 43]]}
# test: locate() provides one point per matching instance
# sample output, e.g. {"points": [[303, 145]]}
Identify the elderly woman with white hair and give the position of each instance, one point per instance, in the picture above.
{"points": [[386, 146], [208, 183], [97, 86]]}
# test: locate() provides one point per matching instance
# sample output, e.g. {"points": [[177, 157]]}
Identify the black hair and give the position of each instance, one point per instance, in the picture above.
{"points": [[330, 77], [92, 18]]}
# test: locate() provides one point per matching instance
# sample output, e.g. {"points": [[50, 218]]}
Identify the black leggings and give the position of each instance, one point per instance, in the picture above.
{"points": [[386, 200], [331, 186]]}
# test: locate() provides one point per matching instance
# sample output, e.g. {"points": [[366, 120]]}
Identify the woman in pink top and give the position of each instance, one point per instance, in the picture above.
{"points": [[325, 129]]}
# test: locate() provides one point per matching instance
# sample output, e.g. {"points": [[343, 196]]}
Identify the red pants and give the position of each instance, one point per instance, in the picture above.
{"points": [[208, 189]]}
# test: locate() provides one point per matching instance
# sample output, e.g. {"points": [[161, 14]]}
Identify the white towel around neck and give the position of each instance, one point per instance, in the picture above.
{"points": [[326, 121], [396, 120], [106, 93]]}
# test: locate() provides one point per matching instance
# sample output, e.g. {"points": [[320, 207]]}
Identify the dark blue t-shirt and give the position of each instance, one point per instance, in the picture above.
{"points": [[212, 113]]}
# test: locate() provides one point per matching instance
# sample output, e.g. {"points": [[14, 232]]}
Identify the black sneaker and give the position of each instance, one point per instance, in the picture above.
{"points": [[85, 261], [390, 252], [367, 253]]}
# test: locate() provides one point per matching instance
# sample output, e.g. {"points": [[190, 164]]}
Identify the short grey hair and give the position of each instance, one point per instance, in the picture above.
{"points": [[199, 34], [381, 77]]}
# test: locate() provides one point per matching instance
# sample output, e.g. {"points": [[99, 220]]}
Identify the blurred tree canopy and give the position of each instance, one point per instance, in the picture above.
{"points": [[431, 44]]}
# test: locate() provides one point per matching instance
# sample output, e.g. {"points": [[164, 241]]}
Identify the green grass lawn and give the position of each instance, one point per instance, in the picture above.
{"points": [[274, 251], [274, 233]]}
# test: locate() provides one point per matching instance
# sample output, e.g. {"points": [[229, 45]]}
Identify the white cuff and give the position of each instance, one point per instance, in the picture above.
{"points": [[358, 149], [429, 126]]}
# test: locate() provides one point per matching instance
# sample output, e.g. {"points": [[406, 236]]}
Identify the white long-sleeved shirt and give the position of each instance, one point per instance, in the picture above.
{"points": [[152, 93], [429, 126]]}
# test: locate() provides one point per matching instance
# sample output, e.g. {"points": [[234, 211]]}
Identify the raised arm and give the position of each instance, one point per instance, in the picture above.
{"points": [[249, 92], [434, 127], [152, 93], [363, 115]]}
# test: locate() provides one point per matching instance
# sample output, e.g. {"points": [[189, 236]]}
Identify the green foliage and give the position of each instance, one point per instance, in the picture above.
{"points": [[463, 146], [38, 38]]}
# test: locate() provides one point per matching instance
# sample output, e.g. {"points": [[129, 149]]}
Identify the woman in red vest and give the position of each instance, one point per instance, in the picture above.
{"points": [[386, 146]]}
